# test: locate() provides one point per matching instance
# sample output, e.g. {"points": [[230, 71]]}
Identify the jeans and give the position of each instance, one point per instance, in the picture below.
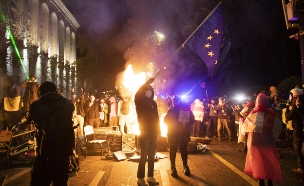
{"points": [[148, 144], [219, 126]]}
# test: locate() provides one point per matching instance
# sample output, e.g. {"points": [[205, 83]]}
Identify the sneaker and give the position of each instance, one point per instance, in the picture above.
{"points": [[174, 173], [298, 170], [187, 171], [141, 182], [219, 139], [151, 180]]}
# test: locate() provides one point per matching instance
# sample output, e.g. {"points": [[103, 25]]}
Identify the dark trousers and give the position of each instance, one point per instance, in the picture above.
{"points": [[297, 144], [213, 125], [148, 144], [45, 171], [184, 154], [93, 122], [196, 128]]}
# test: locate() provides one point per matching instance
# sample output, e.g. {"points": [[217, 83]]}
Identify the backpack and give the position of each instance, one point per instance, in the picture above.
{"points": [[58, 140], [125, 108]]}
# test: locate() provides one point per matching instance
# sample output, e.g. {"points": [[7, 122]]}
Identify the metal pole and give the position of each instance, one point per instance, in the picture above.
{"points": [[300, 12]]}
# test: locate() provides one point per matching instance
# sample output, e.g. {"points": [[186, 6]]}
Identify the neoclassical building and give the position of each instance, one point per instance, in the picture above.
{"points": [[38, 37]]}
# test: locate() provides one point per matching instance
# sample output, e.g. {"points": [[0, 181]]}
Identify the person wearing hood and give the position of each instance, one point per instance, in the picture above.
{"points": [[263, 127], [179, 120], [50, 166], [149, 126]]}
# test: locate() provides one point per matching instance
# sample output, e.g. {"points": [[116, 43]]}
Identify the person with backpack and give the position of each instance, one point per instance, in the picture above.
{"points": [[124, 115], [52, 115]]}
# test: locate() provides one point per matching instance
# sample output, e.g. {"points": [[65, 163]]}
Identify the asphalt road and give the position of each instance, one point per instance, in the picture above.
{"points": [[221, 165]]}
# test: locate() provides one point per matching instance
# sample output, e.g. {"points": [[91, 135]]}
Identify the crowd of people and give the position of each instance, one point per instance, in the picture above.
{"points": [[217, 117]]}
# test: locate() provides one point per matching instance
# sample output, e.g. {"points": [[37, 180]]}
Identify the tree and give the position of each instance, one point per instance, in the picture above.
{"points": [[288, 84]]}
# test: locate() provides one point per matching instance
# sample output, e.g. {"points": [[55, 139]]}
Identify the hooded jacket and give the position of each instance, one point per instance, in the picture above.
{"points": [[147, 114], [179, 120], [40, 111]]}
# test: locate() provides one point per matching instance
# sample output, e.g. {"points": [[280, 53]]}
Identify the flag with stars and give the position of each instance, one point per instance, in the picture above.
{"points": [[207, 38]]}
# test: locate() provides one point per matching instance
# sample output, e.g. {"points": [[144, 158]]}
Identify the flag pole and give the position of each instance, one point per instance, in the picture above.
{"points": [[183, 45]]}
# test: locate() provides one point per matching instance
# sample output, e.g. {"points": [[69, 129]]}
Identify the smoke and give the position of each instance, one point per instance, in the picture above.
{"points": [[169, 19], [136, 22], [97, 16]]}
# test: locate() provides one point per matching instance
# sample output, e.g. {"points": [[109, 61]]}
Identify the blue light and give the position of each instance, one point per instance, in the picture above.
{"points": [[184, 96]]}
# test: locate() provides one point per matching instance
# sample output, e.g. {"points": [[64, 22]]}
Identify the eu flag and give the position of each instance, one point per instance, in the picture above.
{"points": [[207, 38]]}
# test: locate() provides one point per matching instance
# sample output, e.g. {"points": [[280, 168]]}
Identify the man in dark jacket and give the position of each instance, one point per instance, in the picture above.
{"points": [[179, 120], [149, 127], [92, 112], [50, 166]]}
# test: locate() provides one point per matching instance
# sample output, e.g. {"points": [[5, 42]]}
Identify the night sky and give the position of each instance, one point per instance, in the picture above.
{"points": [[261, 52]]}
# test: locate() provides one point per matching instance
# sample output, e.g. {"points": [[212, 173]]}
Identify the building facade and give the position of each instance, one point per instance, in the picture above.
{"points": [[38, 37]]}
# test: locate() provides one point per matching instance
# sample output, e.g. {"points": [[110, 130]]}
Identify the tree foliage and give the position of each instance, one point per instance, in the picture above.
{"points": [[288, 84]]}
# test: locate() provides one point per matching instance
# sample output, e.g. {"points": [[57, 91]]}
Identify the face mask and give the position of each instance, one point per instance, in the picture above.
{"points": [[148, 93]]}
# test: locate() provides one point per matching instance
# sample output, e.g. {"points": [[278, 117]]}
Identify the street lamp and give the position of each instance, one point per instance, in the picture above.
{"points": [[294, 18]]}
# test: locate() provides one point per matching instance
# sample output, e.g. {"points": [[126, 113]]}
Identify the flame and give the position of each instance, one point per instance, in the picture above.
{"points": [[132, 81], [163, 126]]}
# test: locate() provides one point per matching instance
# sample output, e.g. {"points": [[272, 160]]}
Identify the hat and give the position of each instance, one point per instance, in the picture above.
{"points": [[296, 92], [32, 76], [47, 87]]}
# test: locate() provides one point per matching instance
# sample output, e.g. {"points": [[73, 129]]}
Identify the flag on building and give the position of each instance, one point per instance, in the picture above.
{"points": [[206, 40]]}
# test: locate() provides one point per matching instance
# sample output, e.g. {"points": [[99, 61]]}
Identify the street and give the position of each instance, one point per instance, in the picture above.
{"points": [[221, 165]]}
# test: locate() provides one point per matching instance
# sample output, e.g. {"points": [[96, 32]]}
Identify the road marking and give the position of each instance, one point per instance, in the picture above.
{"points": [[200, 181], [97, 178], [164, 177], [10, 179], [236, 170]]}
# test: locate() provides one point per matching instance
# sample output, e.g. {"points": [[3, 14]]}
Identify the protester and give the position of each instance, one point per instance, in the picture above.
{"points": [[245, 112], [125, 112], [31, 93], [197, 108], [103, 111], [92, 112], [223, 118], [212, 117], [179, 120], [295, 113], [12, 103], [263, 127], [79, 113], [113, 112], [273, 96], [149, 126], [51, 164]]}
